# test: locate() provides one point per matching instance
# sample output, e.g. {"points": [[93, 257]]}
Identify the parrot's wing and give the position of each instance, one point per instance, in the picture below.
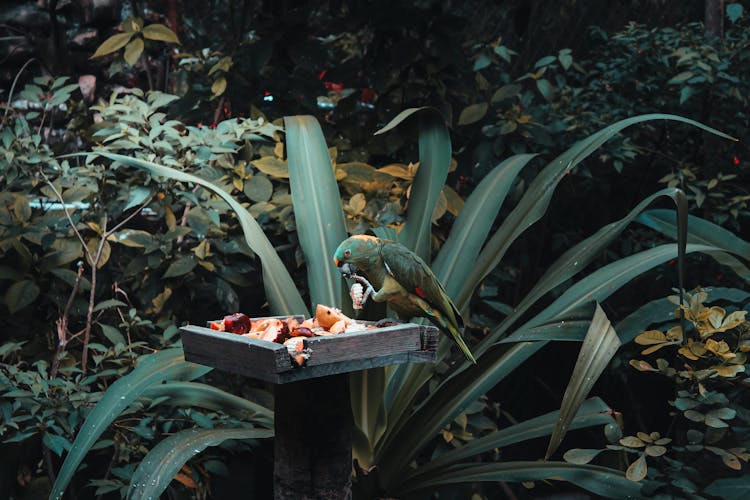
{"points": [[416, 277]]}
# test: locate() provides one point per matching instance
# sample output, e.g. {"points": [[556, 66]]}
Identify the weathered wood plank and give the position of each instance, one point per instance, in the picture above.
{"points": [[364, 344], [234, 353], [329, 355]]}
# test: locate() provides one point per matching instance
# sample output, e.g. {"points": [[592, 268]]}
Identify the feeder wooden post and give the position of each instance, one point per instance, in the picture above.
{"points": [[312, 414], [313, 440]]}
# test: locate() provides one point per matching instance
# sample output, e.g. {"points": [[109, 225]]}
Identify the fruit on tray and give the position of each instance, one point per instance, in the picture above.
{"points": [[290, 331]]}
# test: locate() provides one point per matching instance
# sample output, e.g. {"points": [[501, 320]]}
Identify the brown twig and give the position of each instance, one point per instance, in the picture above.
{"points": [[62, 325], [93, 261]]}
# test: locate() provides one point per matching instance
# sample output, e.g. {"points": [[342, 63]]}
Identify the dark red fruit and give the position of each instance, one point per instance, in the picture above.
{"points": [[237, 323], [301, 331]]}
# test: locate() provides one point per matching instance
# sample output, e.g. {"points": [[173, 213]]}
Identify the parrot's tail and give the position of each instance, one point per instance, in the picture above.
{"points": [[456, 335]]}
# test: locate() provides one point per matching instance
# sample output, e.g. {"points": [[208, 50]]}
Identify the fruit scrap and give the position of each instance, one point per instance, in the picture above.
{"points": [[290, 331], [296, 348], [328, 316], [302, 331]]}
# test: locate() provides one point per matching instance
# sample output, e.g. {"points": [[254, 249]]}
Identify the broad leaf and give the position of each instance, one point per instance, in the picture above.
{"points": [[599, 346], [535, 201], [133, 51], [571, 263], [368, 409], [705, 233], [601, 481], [21, 294], [317, 207], [434, 162], [161, 33], [281, 291], [592, 412], [113, 44], [458, 254], [153, 369], [210, 398], [161, 464]]}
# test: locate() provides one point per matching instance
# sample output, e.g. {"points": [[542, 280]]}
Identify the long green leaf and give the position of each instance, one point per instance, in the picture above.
{"points": [[602, 481], [705, 233], [599, 346], [162, 463], [465, 385], [458, 254], [572, 262], [281, 291], [168, 364], [563, 331], [592, 412], [603, 282], [434, 162], [210, 398], [317, 207], [453, 262], [368, 410], [534, 203], [399, 448]]}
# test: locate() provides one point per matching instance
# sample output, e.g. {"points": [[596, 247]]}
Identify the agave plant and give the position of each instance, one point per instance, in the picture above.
{"points": [[397, 412]]}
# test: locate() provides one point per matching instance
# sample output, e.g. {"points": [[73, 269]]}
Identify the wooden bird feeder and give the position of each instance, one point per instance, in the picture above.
{"points": [[312, 414]]}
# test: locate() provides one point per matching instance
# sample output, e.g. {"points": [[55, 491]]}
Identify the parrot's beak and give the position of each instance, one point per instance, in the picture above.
{"points": [[348, 269]]}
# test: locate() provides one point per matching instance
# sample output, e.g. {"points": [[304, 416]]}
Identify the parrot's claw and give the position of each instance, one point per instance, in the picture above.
{"points": [[368, 288]]}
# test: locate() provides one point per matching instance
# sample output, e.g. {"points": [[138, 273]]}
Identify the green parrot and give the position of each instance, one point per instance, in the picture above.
{"points": [[396, 275]]}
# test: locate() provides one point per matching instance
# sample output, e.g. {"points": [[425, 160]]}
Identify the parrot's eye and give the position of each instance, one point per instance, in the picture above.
{"points": [[347, 253]]}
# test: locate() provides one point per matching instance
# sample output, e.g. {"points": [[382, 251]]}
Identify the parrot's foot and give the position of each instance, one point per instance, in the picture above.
{"points": [[368, 288], [388, 322]]}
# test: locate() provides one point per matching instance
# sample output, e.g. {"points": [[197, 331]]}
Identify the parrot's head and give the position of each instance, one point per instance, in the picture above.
{"points": [[356, 253]]}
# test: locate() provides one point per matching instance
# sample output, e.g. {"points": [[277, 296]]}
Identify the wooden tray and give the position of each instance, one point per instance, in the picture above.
{"points": [[329, 355]]}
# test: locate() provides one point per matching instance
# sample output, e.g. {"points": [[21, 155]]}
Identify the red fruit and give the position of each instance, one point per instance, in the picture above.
{"points": [[237, 323]]}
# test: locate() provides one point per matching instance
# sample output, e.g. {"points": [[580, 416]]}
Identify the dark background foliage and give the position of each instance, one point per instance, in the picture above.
{"points": [[509, 77]]}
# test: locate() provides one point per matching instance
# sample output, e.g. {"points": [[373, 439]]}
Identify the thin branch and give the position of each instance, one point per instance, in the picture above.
{"points": [[12, 88], [67, 215], [62, 325]]}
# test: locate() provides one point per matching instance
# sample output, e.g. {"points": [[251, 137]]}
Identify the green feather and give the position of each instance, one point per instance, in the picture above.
{"points": [[407, 283]]}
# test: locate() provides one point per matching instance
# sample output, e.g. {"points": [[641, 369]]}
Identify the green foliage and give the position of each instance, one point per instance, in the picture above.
{"points": [[133, 39], [706, 363]]}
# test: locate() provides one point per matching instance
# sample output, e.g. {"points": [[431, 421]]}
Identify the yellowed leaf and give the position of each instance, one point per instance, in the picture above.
{"points": [[357, 203], [112, 44], [202, 249], [160, 300], [133, 51], [278, 150], [170, 219], [632, 442], [160, 33], [273, 166], [207, 265], [646, 438], [440, 207], [675, 334], [397, 170], [132, 24], [651, 337], [728, 371], [447, 436], [655, 450], [642, 366], [185, 480], [219, 86]]}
